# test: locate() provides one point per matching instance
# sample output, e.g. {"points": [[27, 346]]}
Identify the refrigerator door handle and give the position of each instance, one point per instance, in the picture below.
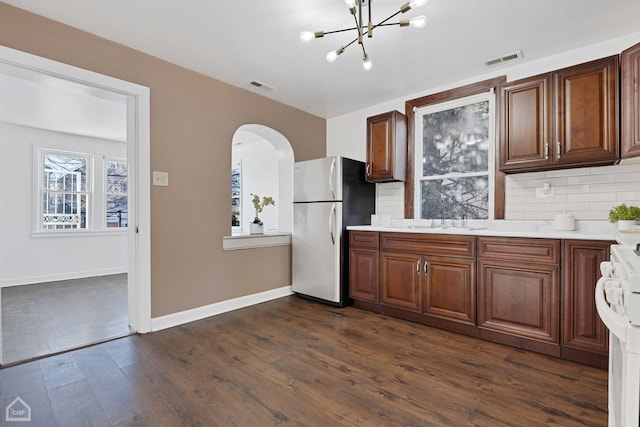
{"points": [[332, 216], [332, 173]]}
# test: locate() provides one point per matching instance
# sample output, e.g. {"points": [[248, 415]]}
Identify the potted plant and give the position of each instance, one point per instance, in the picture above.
{"points": [[625, 216], [257, 227]]}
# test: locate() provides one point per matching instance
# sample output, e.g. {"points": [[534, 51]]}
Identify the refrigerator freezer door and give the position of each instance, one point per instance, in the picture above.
{"points": [[315, 250], [318, 180]]}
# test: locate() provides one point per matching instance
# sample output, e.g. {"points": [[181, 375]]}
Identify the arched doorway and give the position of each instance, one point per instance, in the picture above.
{"points": [[263, 159]]}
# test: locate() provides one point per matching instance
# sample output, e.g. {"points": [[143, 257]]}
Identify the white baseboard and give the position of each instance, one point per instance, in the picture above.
{"points": [[175, 319], [19, 281]]}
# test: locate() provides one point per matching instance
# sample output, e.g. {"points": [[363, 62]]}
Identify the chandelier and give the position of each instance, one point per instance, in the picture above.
{"points": [[366, 28]]}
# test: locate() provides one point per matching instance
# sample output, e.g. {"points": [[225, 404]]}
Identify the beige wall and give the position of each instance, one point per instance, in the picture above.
{"points": [[193, 119]]}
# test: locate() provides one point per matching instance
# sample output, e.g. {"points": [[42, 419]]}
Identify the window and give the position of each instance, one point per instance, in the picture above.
{"points": [[79, 191], [236, 195], [454, 146], [64, 191], [116, 193]]}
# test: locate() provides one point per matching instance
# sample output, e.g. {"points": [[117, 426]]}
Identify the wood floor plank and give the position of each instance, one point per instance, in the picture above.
{"points": [[110, 386], [60, 370], [75, 404], [297, 363]]}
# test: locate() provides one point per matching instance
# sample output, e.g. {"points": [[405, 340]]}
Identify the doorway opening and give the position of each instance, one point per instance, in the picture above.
{"points": [[74, 264]]}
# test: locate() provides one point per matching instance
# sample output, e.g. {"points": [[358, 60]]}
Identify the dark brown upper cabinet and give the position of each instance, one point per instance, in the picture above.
{"points": [[630, 101], [387, 147], [566, 118]]}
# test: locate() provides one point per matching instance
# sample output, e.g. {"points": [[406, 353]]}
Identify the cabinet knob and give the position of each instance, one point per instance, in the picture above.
{"points": [[558, 153], [418, 267], [546, 151], [426, 268]]}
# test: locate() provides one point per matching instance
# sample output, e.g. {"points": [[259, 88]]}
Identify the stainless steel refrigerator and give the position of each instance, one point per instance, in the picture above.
{"points": [[328, 195]]}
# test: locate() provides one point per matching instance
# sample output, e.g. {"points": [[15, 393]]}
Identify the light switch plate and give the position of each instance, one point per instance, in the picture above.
{"points": [[161, 178]]}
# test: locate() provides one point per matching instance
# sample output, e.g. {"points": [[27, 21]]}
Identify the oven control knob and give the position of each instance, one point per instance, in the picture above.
{"points": [[613, 293], [606, 269]]}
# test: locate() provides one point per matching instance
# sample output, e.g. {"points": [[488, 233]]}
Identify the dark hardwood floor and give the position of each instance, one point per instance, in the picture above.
{"points": [[295, 362], [47, 318]]}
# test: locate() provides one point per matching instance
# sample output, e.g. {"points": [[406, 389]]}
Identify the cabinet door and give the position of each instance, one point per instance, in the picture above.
{"points": [[524, 111], [386, 147], [630, 101], [586, 111], [518, 304], [450, 291], [584, 336], [363, 274], [400, 277]]}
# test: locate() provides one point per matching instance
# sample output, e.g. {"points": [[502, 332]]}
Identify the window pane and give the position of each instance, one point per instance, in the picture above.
{"points": [[456, 140], [65, 172], [117, 177], [235, 195], [64, 211], [116, 194], [117, 213], [449, 198]]}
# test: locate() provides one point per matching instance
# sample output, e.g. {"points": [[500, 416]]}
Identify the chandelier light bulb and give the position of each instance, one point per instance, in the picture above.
{"points": [[366, 63], [412, 4], [418, 21], [332, 55], [417, 3], [307, 36], [350, 3]]}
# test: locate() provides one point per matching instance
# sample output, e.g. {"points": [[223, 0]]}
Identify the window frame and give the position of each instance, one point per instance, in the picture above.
{"points": [[419, 113], [459, 92]]}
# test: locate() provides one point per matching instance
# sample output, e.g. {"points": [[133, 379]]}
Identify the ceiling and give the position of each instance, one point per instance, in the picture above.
{"points": [[238, 42], [34, 99]]}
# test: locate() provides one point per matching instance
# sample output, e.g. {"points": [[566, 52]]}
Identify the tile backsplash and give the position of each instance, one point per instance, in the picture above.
{"points": [[587, 193]]}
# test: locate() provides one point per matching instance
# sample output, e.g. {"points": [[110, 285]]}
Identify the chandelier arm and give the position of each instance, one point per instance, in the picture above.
{"points": [[359, 25], [350, 43], [381, 23], [390, 24], [340, 31]]}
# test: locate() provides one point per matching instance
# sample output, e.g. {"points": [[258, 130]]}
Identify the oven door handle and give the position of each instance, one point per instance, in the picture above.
{"points": [[616, 323]]}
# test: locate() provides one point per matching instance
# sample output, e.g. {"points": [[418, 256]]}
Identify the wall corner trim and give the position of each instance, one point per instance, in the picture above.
{"points": [[179, 318]]}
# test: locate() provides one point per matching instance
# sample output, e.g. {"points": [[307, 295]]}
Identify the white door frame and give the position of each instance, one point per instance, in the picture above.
{"points": [[138, 159]]}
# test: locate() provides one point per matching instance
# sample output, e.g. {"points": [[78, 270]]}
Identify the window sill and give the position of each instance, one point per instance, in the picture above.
{"points": [[250, 241], [78, 233]]}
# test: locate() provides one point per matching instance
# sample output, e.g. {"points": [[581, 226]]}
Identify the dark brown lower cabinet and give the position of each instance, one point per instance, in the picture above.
{"points": [[363, 274], [585, 338], [401, 280], [536, 294], [450, 293], [429, 279], [519, 302], [364, 268]]}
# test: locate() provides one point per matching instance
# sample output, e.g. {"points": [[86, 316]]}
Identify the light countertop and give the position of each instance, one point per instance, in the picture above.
{"points": [[585, 230]]}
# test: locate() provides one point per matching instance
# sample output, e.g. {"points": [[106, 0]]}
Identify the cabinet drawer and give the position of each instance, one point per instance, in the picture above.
{"points": [[367, 239], [429, 244], [544, 251]]}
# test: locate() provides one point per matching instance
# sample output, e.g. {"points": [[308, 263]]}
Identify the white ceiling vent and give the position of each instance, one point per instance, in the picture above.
{"points": [[504, 58], [260, 85]]}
